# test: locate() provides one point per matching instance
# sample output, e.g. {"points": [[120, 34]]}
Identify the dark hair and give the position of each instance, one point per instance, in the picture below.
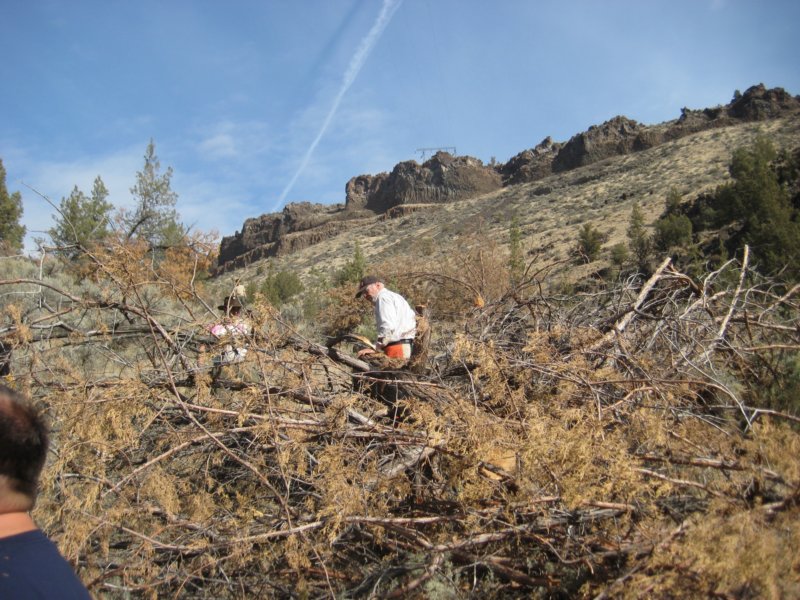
{"points": [[23, 442]]}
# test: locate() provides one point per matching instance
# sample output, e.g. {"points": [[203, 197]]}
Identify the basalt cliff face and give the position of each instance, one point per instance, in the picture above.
{"points": [[299, 225], [445, 178]]}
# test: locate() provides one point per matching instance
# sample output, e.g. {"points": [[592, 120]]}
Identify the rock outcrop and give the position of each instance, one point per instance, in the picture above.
{"points": [[533, 164], [442, 178], [239, 254], [297, 226], [621, 135], [759, 103], [612, 138]]}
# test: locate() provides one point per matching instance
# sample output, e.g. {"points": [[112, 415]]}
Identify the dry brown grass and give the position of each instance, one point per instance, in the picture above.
{"points": [[522, 464]]}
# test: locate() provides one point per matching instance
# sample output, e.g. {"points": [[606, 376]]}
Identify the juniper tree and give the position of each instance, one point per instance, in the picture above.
{"points": [[516, 260], [758, 200], [82, 221], [619, 255], [154, 218], [277, 287], [11, 231], [757, 208], [354, 270], [639, 241], [673, 229], [590, 240]]}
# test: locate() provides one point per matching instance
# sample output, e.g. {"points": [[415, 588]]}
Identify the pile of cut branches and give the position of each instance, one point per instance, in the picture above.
{"points": [[610, 444]]}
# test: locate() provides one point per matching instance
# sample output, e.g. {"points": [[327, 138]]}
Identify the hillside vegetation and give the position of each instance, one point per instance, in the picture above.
{"points": [[596, 425]]}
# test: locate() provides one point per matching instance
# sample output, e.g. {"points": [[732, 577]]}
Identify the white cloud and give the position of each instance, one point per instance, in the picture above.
{"points": [[243, 141], [208, 204], [221, 145]]}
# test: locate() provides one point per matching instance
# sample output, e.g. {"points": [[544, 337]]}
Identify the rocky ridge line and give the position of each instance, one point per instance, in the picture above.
{"points": [[447, 178]]}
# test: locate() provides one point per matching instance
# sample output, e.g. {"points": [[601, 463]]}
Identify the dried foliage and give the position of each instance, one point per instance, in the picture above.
{"points": [[609, 444]]}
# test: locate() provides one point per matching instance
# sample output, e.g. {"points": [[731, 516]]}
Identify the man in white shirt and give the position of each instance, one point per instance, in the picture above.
{"points": [[396, 321]]}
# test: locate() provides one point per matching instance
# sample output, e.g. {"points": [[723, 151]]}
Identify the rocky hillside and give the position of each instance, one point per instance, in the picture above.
{"points": [[445, 178], [551, 189]]}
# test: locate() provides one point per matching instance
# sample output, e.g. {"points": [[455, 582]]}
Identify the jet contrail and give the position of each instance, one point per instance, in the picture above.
{"points": [[353, 68]]}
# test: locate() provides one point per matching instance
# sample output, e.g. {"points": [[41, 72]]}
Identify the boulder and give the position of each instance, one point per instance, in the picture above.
{"points": [[442, 178], [267, 230], [612, 138], [532, 164], [758, 103]]}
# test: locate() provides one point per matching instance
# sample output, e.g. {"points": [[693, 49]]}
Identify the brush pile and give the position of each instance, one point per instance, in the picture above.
{"points": [[638, 440]]}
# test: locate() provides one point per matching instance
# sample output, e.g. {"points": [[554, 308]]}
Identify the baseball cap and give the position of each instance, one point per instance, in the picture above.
{"points": [[365, 283]]}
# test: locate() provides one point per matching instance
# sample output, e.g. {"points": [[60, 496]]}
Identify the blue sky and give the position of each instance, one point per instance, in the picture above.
{"points": [[255, 103]]}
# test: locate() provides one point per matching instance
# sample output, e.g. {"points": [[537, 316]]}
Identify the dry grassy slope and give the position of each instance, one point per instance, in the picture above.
{"points": [[549, 211]]}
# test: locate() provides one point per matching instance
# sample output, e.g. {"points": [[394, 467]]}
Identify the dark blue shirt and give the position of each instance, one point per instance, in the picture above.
{"points": [[31, 568]]}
